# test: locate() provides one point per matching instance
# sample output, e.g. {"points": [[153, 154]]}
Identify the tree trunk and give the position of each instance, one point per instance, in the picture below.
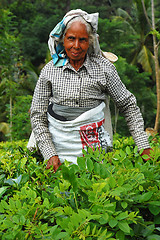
{"points": [[157, 70]]}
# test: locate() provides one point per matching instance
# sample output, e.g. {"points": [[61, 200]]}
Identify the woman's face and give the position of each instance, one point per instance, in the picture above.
{"points": [[76, 42]]}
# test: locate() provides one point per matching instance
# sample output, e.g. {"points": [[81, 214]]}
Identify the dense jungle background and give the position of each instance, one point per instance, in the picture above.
{"points": [[130, 29]]}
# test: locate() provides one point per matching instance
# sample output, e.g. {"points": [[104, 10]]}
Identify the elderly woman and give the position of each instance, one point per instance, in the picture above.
{"points": [[68, 107]]}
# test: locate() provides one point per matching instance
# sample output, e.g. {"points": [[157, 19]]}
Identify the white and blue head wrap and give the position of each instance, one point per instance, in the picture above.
{"points": [[56, 46]]}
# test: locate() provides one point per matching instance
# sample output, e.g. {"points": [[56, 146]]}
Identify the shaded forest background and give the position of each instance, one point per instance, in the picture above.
{"points": [[124, 29]]}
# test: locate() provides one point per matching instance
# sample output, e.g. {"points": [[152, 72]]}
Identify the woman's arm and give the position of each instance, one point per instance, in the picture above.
{"points": [[39, 122], [126, 102]]}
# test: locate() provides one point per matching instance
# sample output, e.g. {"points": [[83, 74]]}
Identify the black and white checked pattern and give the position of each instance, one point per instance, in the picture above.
{"points": [[86, 87]]}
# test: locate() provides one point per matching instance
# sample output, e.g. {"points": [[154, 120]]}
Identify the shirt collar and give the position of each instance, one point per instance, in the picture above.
{"points": [[88, 65]]}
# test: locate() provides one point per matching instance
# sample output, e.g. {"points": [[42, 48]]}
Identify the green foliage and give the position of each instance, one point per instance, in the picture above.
{"points": [[24, 29], [9, 52], [105, 196], [21, 127], [39, 30], [114, 37], [138, 84]]}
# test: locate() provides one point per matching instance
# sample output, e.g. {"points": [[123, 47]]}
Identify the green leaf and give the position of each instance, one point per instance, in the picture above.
{"points": [[145, 196], [53, 229], [123, 225], [147, 231], [81, 163], [145, 156], [88, 182], [122, 215], [141, 188], [4, 204], [135, 149], [104, 234], [23, 162], [65, 173], [155, 210], [113, 223], [97, 187], [2, 176], [103, 171], [97, 168], [15, 219], [68, 210], [108, 235], [32, 194], [112, 182], [128, 150], [120, 180], [156, 203], [124, 205], [157, 219], [92, 197], [11, 204], [120, 235], [89, 164], [94, 230], [153, 237], [2, 191], [61, 235], [9, 224], [104, 219], [18, 204], [87, 230], [46, 203], [122, 153], [22, 220]]}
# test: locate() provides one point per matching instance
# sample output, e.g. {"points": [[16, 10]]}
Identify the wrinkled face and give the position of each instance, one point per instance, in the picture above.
{"points": [[76, 41]]}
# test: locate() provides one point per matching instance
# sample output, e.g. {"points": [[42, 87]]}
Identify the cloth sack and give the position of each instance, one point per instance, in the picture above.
{"points": [[87, 130]]}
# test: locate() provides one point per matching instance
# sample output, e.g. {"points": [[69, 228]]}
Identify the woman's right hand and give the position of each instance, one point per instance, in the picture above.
{"points": [[147, 151], [55, 162]]}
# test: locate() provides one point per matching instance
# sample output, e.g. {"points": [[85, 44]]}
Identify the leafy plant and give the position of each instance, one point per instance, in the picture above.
{"points": [[114, 195], [21, 127]]}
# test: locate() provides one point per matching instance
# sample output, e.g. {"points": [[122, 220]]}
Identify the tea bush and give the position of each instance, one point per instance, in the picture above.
{"points": [[114, 195]]}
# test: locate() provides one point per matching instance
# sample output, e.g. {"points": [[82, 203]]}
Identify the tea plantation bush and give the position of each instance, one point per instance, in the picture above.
{"points": [[105, 196]]}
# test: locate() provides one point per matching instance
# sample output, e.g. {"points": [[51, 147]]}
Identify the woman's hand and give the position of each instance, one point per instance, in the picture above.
{"points": [[55, 162], [147, 151]]}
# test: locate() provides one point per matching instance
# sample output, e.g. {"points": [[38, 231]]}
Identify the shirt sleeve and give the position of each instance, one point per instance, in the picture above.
{"points": [[39, 121], [126, 102]]}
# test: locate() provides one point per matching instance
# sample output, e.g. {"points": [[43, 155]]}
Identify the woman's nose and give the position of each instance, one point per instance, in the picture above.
{"points": [[76, 44]]}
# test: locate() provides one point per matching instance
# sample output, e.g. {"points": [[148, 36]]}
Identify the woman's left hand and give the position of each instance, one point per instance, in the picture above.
{"points": [[147, 151]]}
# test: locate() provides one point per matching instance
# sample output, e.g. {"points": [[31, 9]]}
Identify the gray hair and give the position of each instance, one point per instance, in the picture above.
{"points": [[89, 29]]}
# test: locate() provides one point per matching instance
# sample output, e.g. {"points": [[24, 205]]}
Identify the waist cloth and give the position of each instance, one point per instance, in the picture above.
{"points": [[87, 130]]}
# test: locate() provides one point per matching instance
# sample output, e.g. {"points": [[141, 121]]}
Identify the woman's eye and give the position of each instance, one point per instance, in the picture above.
{"points": [[70, 38], [83, 39]]}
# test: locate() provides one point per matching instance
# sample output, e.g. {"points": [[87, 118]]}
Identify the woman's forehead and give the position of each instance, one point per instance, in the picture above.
{"points": [[77, 27]]}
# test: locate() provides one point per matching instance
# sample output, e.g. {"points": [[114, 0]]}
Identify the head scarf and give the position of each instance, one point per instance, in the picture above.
{"points": [[56, 47]]}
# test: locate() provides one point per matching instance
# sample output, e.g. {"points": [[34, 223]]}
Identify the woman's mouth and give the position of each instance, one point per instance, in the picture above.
{"points": [[75, 54]]}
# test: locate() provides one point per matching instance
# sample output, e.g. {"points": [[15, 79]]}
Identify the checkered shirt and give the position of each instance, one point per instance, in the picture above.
{"points": [[87, 87]]}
